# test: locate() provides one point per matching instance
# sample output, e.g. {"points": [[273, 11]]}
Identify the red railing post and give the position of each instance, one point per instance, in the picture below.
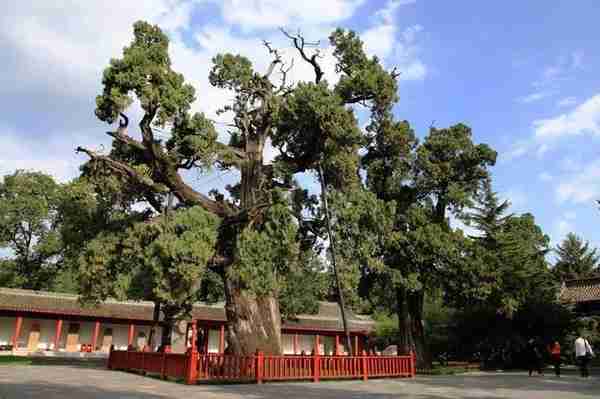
{"points": [[365, 368], [412, 363], [163, 365], [259, 366], [316, 367], [143, 368], [191, 367]]}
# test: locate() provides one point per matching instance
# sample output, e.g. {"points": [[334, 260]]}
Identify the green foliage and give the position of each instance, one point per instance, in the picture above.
{"points": [[29, 229], [162, 260], [450, 167], [145, 70], [363, 79], [314, 125], [506, 263], [265, 253], [575, 258], [361, 225]]}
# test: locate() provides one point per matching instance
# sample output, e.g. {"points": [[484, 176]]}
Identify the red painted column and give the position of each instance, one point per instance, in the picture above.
{"points": [[130, 336], [95, 336], [193, 358], [194, 335], [15, 338], [336, 351], [57, 333], [317, 344], [356, 345], [222, 339]]}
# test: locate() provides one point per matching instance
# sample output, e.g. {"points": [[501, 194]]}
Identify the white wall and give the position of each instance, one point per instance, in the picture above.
{"points": [[327, 345], [288, 344], [213, 341], [47, 333], [7, 328], [306, 343]]}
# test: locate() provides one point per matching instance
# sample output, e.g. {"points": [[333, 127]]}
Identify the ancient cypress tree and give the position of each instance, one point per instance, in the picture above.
{"points": [[310, 123]]}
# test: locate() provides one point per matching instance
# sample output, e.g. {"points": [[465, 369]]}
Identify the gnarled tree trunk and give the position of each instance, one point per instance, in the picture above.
{"points": [[253, 323], [410, 326]]}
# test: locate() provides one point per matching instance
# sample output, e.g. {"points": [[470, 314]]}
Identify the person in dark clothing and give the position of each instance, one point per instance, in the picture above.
{"points": [[534, 357]]}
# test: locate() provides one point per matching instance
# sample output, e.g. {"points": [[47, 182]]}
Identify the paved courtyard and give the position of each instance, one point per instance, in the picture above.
{"points": [[54, 382]]}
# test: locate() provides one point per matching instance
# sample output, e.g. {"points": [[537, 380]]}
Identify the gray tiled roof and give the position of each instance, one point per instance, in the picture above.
{"points": [[580, 290], [328, 318]]}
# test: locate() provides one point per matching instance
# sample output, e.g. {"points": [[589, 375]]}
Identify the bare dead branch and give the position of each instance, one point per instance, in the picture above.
{"points": [[300, 44]]}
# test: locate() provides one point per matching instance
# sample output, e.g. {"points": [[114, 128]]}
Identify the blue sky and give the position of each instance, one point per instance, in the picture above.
{"points": [[523, 75]]}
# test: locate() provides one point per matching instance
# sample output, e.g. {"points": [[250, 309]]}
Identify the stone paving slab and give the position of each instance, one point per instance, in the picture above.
{"points": [[64, 382]]}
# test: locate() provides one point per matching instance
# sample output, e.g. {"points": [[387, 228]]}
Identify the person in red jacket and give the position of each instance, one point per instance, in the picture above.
{"points": [[554, 350]]}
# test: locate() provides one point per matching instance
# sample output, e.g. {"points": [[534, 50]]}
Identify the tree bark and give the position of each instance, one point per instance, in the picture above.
{"points": [[253, 323], [405, 338], [415, 305]]}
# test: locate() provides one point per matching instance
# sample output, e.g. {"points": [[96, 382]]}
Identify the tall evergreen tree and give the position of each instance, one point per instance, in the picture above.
{"points": [[575, 258], [311, 124], [487, 214]]}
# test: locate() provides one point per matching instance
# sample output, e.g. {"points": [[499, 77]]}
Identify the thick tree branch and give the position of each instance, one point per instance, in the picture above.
{"points": [[147, 134], [127, 140], [175, 183]]}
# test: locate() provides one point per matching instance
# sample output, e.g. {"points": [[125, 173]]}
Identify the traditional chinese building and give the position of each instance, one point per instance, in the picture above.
{"points": [[583, 295], [48, 323]]}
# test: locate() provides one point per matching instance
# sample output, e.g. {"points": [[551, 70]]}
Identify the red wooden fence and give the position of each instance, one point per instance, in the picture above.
{"points": [[258, 368]]}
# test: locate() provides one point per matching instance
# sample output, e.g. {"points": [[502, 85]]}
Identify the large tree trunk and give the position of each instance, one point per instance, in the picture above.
{"points": [[405, 338], [415, 305], [167, 327], [253, 324]]}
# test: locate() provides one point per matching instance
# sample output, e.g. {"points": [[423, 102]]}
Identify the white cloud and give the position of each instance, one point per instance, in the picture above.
{"points": [[54, 52], [517, 150], [585, 118], [265, 14], [567, 102], [64, 44], [544, 176], [563, 227], [551, 77], [50, 155], [534, 97], [516, 197], [580, 187], [398, 49]]}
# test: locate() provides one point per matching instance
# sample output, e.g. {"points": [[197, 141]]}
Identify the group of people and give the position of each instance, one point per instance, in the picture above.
{"points": [[583, 356]]}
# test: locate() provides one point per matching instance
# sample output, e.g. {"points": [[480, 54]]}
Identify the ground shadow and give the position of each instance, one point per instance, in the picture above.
{"points": [[65, 383]]}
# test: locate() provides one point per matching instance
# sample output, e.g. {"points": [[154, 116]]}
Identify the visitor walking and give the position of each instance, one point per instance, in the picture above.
{"points": [[555, 357], [583, 354], [534, 357]]}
